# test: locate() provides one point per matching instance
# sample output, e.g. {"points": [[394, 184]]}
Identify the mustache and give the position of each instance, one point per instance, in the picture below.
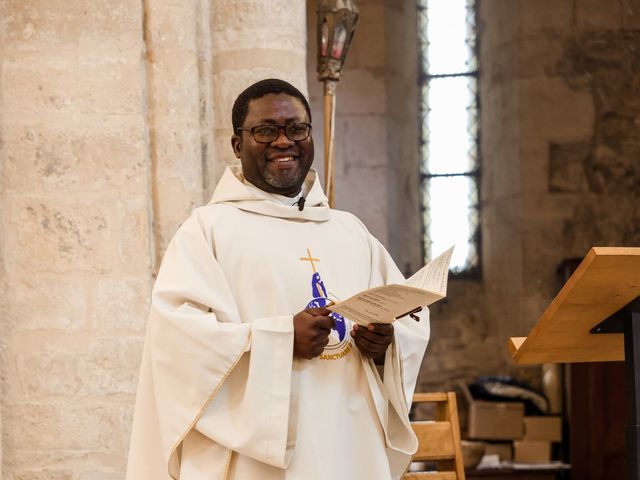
{"points": [[270, 155]]}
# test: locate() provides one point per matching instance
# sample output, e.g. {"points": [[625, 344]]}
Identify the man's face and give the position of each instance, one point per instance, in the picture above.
{"points": [[282, 165]]}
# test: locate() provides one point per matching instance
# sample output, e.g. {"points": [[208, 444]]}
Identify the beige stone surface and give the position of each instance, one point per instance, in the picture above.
{"points": [[32, 87], [115, 124], [64, 237], [73, 172], [64, 427], [42, 156], [73, 26]]}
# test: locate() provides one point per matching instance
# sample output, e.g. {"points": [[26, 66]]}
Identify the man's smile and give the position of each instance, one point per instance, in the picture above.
{"points": [[282, 159]]}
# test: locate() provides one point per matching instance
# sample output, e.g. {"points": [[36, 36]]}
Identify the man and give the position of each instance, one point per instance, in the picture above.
{"points": [[245, 373]]}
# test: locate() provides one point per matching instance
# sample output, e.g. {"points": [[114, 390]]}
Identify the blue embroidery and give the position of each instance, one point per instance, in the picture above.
{"points": [[320, 299]]}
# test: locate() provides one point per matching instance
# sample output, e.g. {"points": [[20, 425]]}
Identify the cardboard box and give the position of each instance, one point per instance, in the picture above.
{"points": [[495, 420], [547, 428], [504, 450], [531, 451]]}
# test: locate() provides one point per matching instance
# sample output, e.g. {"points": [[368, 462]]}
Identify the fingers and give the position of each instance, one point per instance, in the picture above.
{"points": [[311, 332], [313, 318], [315, 347], [319, 348], [367, 348], [366, 343], [377, 333], [381, 328], [324, 322], [373, 340]]}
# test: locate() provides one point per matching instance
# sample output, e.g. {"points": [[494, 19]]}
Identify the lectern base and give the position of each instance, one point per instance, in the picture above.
{"points": [[627, 321], [632, 361], [632, 451]]}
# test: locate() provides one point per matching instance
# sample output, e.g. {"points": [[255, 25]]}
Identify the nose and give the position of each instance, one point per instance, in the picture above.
{"points": [[282, 141]]}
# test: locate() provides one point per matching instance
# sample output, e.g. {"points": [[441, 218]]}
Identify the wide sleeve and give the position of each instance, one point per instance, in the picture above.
{"points": [[393, 392], [195, 343]]}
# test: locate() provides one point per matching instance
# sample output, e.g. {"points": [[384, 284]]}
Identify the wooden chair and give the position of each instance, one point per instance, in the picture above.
{"points": [[439, 440]]}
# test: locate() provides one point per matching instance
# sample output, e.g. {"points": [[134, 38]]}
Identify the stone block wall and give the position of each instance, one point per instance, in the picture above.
{"points": [[114, 123], [376, 141], [560, 171], [75, 233]]}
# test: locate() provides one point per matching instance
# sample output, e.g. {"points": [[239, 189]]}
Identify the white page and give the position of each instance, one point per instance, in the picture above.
{"points": [[383, 304], [434, 275], [387, 303]]}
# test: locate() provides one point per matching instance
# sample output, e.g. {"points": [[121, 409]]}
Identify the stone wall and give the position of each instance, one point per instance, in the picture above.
{"points": [[114, 124], [559, 125], [376, 142], [75, 231]]}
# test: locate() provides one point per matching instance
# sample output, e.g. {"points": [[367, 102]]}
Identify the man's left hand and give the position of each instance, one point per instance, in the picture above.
{"points": [[373, 340]]}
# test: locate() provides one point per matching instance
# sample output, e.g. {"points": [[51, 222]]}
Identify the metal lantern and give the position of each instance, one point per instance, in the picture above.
{"points": [[337, 21]]}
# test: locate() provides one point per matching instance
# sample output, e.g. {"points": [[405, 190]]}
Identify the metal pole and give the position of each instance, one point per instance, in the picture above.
{"points": [[329, 159], [632, 360]]}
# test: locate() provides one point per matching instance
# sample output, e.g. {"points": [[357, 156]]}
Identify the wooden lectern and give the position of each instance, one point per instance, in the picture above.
{"points": [[595, 318]]}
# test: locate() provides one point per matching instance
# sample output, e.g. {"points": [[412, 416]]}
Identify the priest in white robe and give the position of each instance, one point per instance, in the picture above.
{"points": [[245, 375]]}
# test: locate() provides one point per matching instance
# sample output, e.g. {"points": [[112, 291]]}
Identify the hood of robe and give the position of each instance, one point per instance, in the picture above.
{"points": [[232, 190]]}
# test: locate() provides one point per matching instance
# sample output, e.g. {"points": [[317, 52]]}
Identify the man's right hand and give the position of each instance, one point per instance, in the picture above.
{"points": [[311, 328]]}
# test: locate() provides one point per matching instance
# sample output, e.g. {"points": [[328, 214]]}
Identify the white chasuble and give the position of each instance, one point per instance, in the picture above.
{"points": [[220, 395]]}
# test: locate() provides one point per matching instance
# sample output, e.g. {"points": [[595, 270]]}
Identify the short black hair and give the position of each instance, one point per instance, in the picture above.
{"points": [[258, 90]]}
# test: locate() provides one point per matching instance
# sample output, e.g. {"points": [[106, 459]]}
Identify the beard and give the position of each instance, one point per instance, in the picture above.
{"points": [[283, 181]]}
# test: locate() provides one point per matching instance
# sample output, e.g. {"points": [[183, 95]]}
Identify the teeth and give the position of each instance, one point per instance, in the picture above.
{"points": [[283, 159]]}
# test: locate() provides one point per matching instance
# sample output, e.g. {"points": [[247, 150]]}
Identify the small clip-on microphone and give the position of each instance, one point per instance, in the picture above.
{"points": [[300, 203]]}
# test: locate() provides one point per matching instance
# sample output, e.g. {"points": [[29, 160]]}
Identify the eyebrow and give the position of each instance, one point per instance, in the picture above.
{"points": [[273, 120]]}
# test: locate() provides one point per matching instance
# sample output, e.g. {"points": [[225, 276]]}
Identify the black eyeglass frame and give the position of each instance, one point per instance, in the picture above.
{"points": [[284, 127]]}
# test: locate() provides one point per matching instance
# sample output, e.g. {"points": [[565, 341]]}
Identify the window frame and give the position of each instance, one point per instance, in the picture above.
{"points": [[472, 272]]}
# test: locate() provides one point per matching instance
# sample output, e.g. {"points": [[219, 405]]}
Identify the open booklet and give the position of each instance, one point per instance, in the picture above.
{"points": [[388, 303]]}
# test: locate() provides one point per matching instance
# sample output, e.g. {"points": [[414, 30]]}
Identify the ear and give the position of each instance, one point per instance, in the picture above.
{"points": [[236, 144]]}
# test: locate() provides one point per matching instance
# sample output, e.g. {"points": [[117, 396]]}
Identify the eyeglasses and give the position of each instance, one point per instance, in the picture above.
{"points": [[295, 132]]}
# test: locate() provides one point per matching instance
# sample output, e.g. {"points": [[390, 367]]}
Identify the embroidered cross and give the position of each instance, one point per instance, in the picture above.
{"points": [[310, 259]]}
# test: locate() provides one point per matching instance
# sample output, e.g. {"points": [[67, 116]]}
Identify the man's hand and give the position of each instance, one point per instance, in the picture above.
{"points": [[373, 340], [311, 329]]}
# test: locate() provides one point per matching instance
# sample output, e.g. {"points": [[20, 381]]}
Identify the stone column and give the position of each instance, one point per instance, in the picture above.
{"points": [[251, 40], [178, 75], [4, 306], [106, 120], [501, 207], [402, 133], [74, 232]]}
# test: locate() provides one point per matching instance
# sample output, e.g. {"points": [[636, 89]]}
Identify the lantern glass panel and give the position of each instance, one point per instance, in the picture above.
{"points": [[339, 38], [324, 38]]}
